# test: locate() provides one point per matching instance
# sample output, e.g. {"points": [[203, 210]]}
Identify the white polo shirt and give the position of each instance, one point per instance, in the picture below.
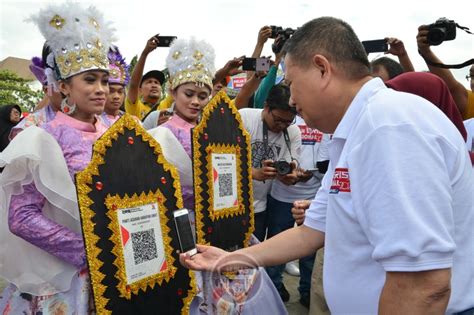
{"points": [[398, 196], [469, 125]]}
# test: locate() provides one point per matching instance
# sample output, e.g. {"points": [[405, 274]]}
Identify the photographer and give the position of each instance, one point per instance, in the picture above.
{"points": [[274, 139], [263, 35], [463, 97], [312, 166], [387, 68], [144, 93]]}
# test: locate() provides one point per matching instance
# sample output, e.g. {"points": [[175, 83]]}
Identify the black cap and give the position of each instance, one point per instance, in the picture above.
{"points": [[154, 74]]}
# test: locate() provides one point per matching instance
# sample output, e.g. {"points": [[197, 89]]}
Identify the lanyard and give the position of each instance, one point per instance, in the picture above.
{"points": [[265, 140]]}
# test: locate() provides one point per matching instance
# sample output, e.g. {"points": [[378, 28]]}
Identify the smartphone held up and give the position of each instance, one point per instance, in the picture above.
{"points": [[374, 46], [164, 41], [256, 64], [185, 232]]}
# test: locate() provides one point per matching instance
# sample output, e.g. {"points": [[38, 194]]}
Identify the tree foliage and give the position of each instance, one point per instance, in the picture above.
{"points": [[133, 63], [15, 90]]}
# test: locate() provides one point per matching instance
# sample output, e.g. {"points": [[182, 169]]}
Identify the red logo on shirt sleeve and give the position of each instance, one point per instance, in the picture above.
{"points": [[340, 181]]}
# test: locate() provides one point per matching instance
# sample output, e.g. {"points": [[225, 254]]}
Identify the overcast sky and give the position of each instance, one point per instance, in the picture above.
{"points": [[232, 26]]}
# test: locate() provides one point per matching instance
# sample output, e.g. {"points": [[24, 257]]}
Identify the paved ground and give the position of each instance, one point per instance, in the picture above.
{"points": [[291, 283], [293, 305]]}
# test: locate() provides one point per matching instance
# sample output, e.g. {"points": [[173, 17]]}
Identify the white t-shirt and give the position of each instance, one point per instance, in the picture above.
{"points": [[398, 196], [252, 120], [469, 125], [313, 149], [151, 120]]}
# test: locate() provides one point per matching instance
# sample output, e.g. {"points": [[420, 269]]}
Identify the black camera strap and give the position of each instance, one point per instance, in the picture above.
{"points": [[266, 148], [464, 28], [455, 66], [445, 66]]}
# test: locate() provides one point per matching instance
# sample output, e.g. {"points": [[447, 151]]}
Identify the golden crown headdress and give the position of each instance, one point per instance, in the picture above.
{"points": [[78, 37], [190, 60]]}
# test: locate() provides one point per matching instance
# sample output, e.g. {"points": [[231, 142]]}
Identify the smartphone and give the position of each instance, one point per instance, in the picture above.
{"points": [[256, 64], [165, 41], [166, 113], [377, 45], [185, 232]]}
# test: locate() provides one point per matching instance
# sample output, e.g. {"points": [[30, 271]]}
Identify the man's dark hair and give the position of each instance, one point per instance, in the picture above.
{"points": [[335, 40], [393, 68], [279, 98]]}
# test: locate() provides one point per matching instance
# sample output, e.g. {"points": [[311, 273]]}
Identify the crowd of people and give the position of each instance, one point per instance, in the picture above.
{"points": [[375, 198]]}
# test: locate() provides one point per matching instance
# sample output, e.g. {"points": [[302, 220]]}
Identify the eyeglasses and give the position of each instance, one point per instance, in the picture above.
{"points": [[279, 120], [469, 77]]}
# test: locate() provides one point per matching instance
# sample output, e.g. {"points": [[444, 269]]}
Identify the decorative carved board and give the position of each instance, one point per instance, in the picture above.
{"points": [[126, 197], [222, 177]]}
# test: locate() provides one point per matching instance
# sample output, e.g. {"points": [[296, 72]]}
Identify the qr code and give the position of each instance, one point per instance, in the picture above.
{"points": [[225, 185], [144, 246]]}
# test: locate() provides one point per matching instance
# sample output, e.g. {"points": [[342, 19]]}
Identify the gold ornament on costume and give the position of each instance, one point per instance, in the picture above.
{"points": [[176, 54], [84, 59], [196, 74], [57, 22], [114, 73], [198, 65], [198, 55], [94, 23]]}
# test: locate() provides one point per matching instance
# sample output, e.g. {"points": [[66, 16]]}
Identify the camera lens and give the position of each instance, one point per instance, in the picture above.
{"points": [[283, 167], [436, 35]]}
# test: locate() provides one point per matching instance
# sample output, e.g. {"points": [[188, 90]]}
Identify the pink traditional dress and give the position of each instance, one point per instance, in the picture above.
{"points": [[251, 291], [41, 246], [109, 120]]}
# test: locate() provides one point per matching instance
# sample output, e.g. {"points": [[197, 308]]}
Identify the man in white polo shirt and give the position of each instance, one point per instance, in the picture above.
{"points": [[395, 210]]}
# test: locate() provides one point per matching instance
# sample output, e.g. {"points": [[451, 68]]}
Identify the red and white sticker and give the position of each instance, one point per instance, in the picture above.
{"points": [[310, 136], [340, 181]]}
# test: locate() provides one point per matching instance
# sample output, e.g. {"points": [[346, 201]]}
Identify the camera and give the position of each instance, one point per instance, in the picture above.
{"points": [[441, 30], [284, 34], [275, 31], [282, 167]]}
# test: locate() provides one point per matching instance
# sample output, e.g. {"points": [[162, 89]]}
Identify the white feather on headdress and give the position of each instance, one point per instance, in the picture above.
{"points": [[79, 37], [191, 60]]}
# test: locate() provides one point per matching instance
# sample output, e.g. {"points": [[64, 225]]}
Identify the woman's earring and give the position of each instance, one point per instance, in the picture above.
{"points": [[66, 108]]}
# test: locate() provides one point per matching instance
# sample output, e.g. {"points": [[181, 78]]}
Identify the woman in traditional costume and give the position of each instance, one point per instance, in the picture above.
{"points": [[41, 246], [191, 66]]}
